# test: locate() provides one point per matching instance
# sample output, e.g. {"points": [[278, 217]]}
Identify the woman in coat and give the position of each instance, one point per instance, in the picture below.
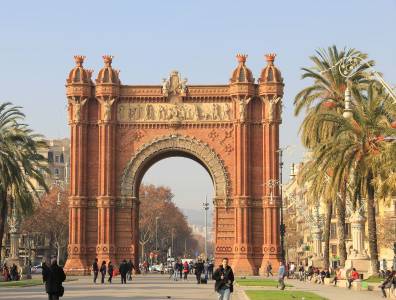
{"points": [[103, 270]]}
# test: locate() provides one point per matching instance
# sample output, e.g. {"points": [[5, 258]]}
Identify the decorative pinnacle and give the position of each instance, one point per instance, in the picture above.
{"points": [[241, 58], [79, 59], [270, 57], [107, 60]]}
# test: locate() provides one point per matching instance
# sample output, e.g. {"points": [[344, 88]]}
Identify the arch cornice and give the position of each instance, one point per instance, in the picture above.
{"points": [[179, 143]]}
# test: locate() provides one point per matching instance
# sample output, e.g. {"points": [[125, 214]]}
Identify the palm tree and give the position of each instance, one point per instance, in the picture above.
{"points": [[21, 166], [356, 147], [327, 94]]}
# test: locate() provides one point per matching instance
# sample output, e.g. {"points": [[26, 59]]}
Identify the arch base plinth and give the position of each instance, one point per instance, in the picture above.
{"points": [[77, 266], [244, 266]]}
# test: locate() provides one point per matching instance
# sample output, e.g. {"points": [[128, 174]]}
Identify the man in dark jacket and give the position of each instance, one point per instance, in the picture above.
{"points": [[53, 277], [130, 269], [123, 271], [199, 267], [224, 277], [95, 269]]}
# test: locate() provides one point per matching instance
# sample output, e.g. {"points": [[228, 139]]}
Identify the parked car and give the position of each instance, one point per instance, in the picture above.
{"points": [[157, 268], [36, 269]]}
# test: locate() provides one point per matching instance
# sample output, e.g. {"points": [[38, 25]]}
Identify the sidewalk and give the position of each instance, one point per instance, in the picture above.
{"points": [[142, 287]]}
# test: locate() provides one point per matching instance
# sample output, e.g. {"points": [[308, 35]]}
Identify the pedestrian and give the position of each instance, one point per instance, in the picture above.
{"points": [[281, 275], [354, 276], [110, 270], [181, 270], [14, 273], [269, 269], [301, 272], [199, 267], [103, 271], [175, 268], [388, 282], [292, 270], [6, 273], [337, 276], [185, 270], [53, 277], [124, 268], [95, 269], [224, 277], [206, 269], [130, 269], [210, 269]]}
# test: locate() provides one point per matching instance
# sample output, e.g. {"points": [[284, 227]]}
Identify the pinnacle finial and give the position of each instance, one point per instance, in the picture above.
{"points": [[270, 58], [79, 59], [241, 58], [107, 60]]}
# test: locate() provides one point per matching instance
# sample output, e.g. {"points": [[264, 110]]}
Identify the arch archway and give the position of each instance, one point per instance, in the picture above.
{"points": [[175, 145], [118, 131]]}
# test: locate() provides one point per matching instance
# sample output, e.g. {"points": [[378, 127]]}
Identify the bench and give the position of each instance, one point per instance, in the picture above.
{"points": [[342, 283], [359, 285]]}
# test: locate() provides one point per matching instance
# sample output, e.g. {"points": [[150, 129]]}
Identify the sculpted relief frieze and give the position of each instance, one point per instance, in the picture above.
{"points": [[164, 112]]}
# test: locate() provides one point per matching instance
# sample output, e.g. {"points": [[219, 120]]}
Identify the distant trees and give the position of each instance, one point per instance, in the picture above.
{"points": [[156, 202], [50, 218]]}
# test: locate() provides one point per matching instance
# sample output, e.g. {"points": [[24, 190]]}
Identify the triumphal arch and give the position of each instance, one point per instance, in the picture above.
{"points": [[118, 131]]}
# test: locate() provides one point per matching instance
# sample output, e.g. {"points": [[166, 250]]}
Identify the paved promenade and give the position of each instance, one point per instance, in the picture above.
{"points": [[144, 287], [156, 287]]}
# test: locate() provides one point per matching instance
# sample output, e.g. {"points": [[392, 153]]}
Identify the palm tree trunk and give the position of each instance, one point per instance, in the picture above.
{"points": [[3, 217], [326, 234], [372, 226], [341, 228]]}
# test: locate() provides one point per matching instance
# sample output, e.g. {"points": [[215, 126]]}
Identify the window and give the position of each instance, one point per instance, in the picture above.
{"points": [[56, 172], [57, 158], [50, 156], [62, 159], [334, 250], [333, 231], [348, 232]]}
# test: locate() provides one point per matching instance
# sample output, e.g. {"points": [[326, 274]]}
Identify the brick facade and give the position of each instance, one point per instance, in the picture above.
{"points": [[118, 131]]}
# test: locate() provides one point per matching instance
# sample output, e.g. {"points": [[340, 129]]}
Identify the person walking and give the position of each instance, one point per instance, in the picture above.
{"points": [[224, 277], [301, 272], [185, 270], [124, 268], [130, 269], [269, 269], [95, 269], [281, 275], [181, 270], [175, 268], [388, 282], [103, 271], [199, 267], [53, 277], [210, 269], [110, 270]]}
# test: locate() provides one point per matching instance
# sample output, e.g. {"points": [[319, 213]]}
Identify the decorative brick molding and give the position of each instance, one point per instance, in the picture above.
{"points": [[175, 143]]}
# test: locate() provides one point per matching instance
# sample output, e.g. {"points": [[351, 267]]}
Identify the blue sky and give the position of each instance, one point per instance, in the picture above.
{"points": [[199, 38]]}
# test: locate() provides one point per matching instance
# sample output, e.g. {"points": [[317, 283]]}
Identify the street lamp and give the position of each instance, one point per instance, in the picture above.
{"points": [[156, 233], [206, 208]]}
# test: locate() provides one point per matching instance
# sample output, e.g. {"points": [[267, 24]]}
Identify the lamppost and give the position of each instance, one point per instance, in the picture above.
{"points": [[206, 208], [156, 233], [282, 225]]}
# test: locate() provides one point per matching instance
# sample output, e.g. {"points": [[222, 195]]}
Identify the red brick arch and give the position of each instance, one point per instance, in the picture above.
{"points": [[118, 131]]}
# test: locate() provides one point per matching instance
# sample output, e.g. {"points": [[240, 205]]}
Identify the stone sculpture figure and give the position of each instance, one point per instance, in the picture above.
{"points": [[77, 105], [107, 108], [271, 110], [242, 108]]}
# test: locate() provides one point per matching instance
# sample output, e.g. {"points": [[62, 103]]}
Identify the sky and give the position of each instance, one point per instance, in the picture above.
{"points": [[199, 38]]}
